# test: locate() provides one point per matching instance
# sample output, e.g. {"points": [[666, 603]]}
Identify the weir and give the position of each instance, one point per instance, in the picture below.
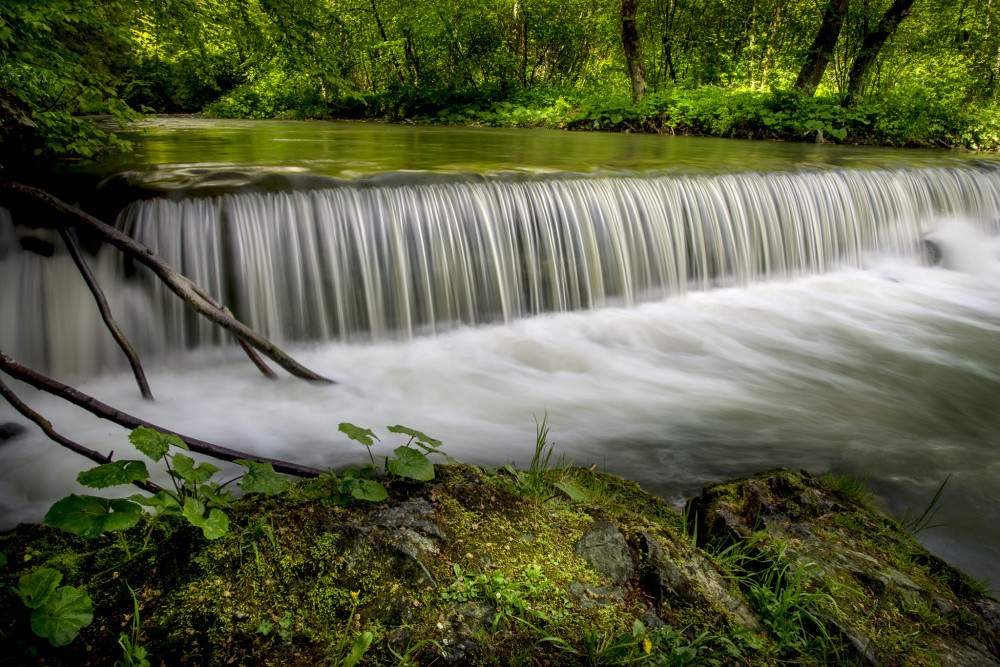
{"points": [[387, 260]]}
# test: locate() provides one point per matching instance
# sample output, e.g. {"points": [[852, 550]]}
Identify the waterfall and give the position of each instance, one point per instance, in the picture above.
{"points": [[386, 260]]}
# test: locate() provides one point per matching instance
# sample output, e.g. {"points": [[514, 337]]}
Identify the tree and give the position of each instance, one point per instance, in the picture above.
{"points": [[873, 43], [632, 46], [821, 51]]}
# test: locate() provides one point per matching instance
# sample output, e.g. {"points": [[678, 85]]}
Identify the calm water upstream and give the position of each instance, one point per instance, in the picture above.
{"points": [[684, 310]]}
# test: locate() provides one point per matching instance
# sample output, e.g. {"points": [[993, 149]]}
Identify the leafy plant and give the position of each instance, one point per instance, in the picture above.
{"points": [[282, 627], [535, 481], [341, 655], [791, 612], [509, 597], [194, 496], [914, 523], [409, 463], [133, 654], [58, 613]]}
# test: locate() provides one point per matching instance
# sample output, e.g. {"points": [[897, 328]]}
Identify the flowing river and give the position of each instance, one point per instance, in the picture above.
{"points": [[682, 310]]}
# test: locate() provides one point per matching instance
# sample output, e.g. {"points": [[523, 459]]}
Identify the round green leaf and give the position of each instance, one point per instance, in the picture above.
{"points": [[62, 615], [411, 464], [358, 434], [153, 443], [113, 474], [366, 489], [261, 478], [89, 516], [35, 588]]}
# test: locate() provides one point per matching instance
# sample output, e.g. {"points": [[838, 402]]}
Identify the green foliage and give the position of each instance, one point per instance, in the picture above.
{"points": [[914, 523], [661, 646], [544, 478], [58, 613], [195, 497], [91, 516], [113, 474], [364, 483], [510, 597], [340, 654], [133, 653]]}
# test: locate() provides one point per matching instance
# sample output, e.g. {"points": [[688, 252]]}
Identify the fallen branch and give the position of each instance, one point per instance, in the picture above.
{"points": [[102, 305], [71, 445], [196, 297], [105, 411]]}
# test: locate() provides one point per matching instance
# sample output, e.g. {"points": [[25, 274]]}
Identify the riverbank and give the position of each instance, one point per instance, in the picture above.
{"points": [[706, 111], [497, 566]]}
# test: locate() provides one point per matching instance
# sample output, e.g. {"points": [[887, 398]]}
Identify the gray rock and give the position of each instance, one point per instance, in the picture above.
{"points": [[590, 596], [604, 548]]}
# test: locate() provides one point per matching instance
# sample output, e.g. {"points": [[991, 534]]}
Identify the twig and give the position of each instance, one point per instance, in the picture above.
{"points": [[102, 305], [105, 411], [178, 284], [46, 426]]}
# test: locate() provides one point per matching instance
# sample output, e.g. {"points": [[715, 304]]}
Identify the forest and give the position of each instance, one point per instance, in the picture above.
{"points": [[891, 72]]}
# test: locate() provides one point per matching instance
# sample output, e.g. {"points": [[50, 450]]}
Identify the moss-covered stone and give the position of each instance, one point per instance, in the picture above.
{"points": [[472, 569]]}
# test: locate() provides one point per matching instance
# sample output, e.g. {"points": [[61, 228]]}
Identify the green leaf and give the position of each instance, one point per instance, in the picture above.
{"points": [[367, 489], [62, 615], [89, 516], [419, 436], [411, 464], [3, 560], [153, 443], [574, 492], [113, 474], [35, 588], [361, 644], [160, 502], [216, 495], [185, 469], [358, 434], [261, 478], [214, 526]]}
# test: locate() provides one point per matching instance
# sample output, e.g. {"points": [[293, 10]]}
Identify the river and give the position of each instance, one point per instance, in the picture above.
{"points": [[682, 309]]}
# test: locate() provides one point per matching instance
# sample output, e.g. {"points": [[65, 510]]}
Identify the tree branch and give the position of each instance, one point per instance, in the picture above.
{"points": [[102, 305], [105, 411], [46, 426], [178, 284]]}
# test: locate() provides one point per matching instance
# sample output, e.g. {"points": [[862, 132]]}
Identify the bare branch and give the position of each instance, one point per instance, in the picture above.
{"points": [[102, 305], [46, 426], [105, 411], [178, 284]]}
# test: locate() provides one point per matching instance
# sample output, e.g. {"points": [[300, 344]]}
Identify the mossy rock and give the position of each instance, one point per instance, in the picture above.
{"points": [[466, 569]]}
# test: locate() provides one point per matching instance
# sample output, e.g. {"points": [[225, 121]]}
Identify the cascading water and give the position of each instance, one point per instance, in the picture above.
{"points": [[365, 261], [677, 328]]}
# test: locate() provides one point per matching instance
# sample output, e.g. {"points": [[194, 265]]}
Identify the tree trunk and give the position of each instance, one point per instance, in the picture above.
{"points": [[633, 49], [872, 44], [821, 51]]}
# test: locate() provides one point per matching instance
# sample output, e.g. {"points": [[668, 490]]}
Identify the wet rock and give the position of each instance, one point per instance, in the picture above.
{"points": [[912, 601], [604, 548], [687, 574], [590, 596], [10, 430]]}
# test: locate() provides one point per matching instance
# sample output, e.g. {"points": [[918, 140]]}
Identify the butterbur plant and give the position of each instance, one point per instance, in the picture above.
{"points": [[194, 496], [409, 463], [57, 612]]}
